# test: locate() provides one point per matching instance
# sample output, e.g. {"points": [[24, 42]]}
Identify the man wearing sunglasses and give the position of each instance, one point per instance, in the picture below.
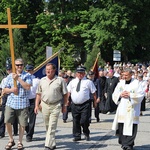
{"points": [[17, 102]]}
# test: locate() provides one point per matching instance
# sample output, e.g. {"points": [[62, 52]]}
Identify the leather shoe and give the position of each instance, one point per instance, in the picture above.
{"points": [[76, 139], [28, 139], [54, 147], [97, 119], [87, 137], [129, 148], [124, 148], [1, 136], [64, 121], [48, 148]]}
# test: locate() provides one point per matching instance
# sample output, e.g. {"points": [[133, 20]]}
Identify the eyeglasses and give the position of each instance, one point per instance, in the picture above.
{"points": [[19, 65]]}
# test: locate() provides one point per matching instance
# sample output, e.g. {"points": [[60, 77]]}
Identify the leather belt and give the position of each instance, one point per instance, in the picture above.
{"points": [[82, 103], [51, 103]]}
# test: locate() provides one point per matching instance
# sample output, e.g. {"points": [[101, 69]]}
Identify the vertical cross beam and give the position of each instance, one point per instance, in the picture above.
{"points": [[10, 26]]}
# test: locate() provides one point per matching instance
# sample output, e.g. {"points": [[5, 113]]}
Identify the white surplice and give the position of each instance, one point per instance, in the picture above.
{"points": [[128, 110]]}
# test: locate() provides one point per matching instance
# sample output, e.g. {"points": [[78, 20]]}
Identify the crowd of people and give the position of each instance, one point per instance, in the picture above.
{"points": [[121, 89]]}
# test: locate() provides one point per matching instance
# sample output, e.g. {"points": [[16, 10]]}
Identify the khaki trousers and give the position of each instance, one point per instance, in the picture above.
{"points": [[50, 116]]}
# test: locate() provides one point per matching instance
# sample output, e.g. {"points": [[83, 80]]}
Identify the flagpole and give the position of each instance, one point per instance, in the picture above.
{"points": [[47, 60], [96, 61]]}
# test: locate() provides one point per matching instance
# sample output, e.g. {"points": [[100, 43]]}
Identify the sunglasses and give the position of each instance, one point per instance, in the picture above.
{"points": [[19, 65]]}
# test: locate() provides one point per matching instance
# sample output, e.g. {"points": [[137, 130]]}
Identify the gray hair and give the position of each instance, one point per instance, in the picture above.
{"points": [[53, 65], [128, 70], [19, 59]]}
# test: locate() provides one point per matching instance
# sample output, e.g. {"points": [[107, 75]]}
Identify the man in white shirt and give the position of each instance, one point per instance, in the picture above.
{"points": [[80, 106]]}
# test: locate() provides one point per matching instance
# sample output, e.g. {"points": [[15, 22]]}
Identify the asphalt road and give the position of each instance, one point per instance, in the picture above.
{"points": [[101, 136]]}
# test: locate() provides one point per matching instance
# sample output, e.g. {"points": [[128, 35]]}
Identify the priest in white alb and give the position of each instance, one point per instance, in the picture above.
{"points": [[128, 95]]}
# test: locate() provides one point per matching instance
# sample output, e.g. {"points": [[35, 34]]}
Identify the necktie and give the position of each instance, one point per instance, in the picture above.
{"points": [[78, 86]]}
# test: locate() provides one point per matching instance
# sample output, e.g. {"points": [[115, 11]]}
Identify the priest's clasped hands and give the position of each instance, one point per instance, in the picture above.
{"points": [[125, 94]]}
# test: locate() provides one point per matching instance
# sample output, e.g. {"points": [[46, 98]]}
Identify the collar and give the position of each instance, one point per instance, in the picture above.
{"points": [[128, 82]]}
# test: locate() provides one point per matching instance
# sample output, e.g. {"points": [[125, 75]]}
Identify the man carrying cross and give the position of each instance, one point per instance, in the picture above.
{"points": [[17, 105], [17, 87]]}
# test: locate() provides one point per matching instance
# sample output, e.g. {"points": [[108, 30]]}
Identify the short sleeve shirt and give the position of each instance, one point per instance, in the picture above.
{"points": [[3, 82], [35, 83], [86, 87], [53, 90], [21, 100]]}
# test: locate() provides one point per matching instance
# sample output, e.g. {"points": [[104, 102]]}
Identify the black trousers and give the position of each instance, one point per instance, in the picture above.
{"points": [[127, 140], [90, 109], [97, 111], [143, 104], [80, 114], [32, 118], [65, 115], [2, 124]]}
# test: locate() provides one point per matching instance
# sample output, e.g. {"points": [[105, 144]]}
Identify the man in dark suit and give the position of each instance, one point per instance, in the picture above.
{"points": [[111, 83], [101, 81]]}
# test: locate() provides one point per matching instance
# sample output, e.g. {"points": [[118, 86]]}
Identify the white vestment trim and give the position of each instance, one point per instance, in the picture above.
{"points": [[128, 124]]}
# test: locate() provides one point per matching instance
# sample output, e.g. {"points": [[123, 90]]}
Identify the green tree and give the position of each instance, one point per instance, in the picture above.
{"points": [[23, 12], [110, 25], [115, 25], [91, 57]]}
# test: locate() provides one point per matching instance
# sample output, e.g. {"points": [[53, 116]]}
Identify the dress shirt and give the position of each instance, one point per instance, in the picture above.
{"points": [[87, 87], [35, 82]]}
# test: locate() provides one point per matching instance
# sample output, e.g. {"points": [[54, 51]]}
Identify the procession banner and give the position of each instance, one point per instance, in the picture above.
{"points": [[39, 71]]}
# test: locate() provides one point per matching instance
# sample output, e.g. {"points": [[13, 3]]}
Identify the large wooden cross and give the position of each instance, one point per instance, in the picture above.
{"points": [[10, 27]]}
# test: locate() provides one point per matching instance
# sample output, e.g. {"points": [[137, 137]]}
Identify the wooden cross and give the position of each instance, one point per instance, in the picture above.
{"points": [[10, 27]]}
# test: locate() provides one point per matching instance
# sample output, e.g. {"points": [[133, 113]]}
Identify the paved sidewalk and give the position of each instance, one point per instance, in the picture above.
{"points": [[102, 137]]}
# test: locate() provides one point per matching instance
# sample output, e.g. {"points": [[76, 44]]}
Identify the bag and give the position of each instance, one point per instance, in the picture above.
{"points": [[147, 89]]}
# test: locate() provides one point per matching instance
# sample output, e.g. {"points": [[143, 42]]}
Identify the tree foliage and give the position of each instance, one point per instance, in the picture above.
{"points": [[77, 26], [95, 53]]}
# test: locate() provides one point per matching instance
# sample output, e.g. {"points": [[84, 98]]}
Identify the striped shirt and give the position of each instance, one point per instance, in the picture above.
{"points": [[21, 100]]}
